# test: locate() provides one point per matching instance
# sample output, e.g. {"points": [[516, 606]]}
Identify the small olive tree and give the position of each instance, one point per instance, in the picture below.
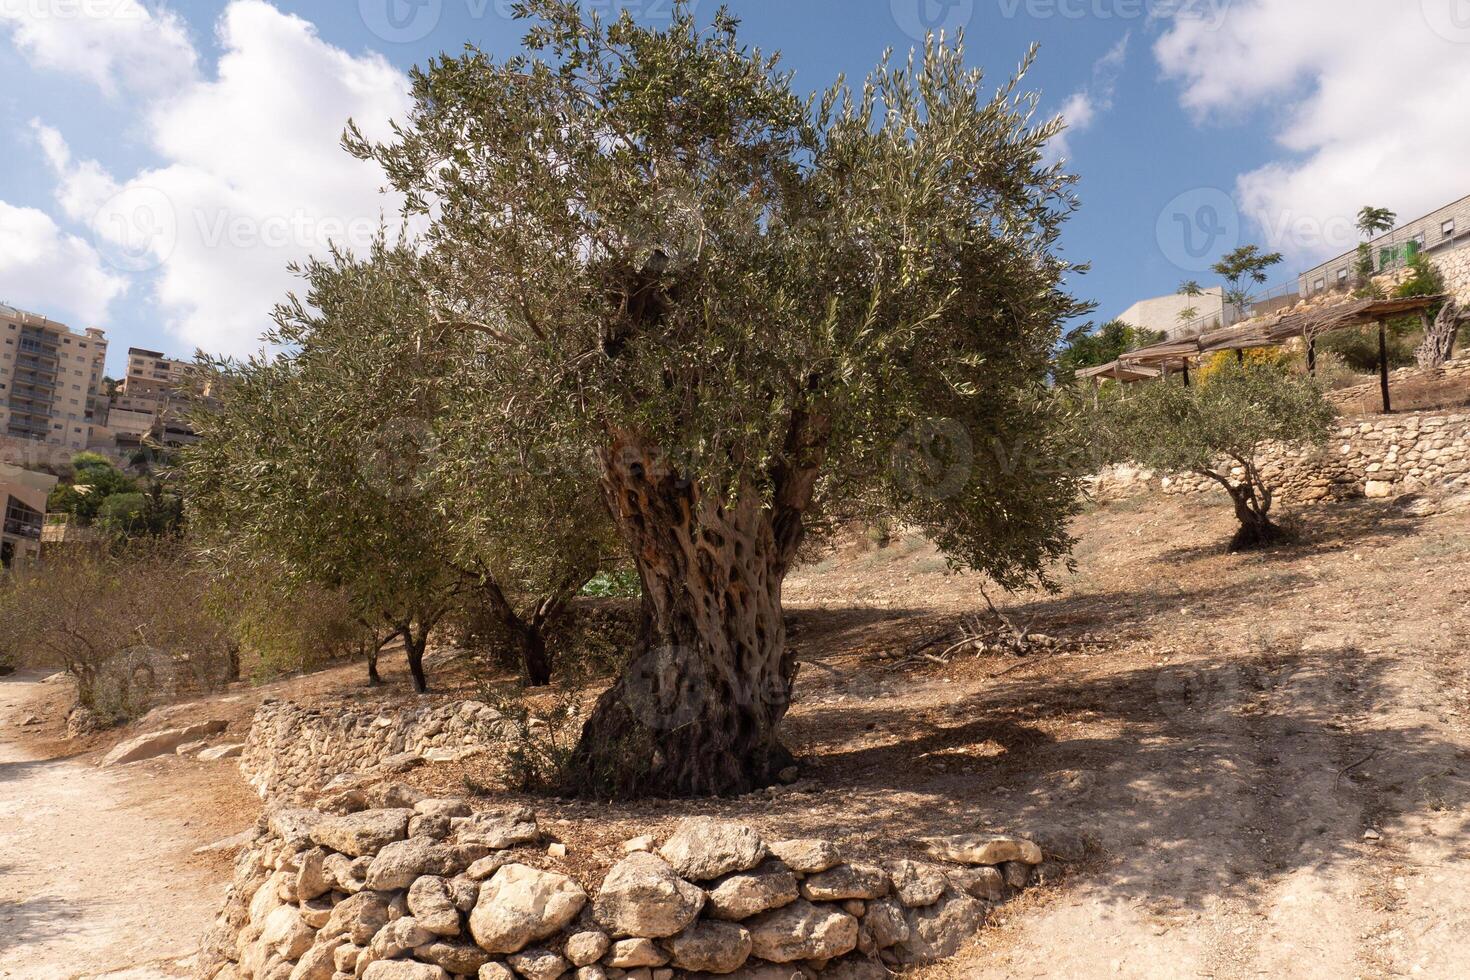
{"points": [[1218, 428], [340, 461]]}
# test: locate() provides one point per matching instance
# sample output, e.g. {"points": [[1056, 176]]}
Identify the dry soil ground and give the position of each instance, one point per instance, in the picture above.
{"points": [[1251, 765]]}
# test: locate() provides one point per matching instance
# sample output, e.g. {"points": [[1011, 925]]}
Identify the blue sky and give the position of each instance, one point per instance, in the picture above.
{"points": [[165, 162]]}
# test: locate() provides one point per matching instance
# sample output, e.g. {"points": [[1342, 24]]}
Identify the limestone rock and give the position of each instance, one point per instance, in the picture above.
{"points": [[319, 962], [285, 932], [807, 856], [846, 881], [397, 938], [432, 904], [982, 849], [460, 959], [496, 971], [585, 948], [704, 848], [348, 874], [1017, 873], [443, 808], [311, 879], [643, 897], [711, 947], [403, 970], [916, 884], [154, 744], [358, 917], [629, 954], [498, 831], [802, 931], [538, 964], [886, 923], [230, 750], [359, 834], [747, 893], [293, 826], [983, 882], [521, 905], [402, 861], [938, 931], [436, 827]]}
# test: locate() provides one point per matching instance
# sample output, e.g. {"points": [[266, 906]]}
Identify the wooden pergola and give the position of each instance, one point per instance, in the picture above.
{"points": [[1164, 358]]}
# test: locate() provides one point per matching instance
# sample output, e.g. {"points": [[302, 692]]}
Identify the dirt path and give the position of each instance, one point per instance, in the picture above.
{"points": [[94, 880]]}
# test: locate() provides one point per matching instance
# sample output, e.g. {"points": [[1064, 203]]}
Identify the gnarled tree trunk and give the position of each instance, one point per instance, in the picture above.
{"points": [[1252, 500], [698, 713], [1439, 337]]}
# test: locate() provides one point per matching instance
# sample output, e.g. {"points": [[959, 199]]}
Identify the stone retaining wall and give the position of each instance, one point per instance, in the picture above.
{"points": [[429, 889], [1379, 457], [294, 751]]}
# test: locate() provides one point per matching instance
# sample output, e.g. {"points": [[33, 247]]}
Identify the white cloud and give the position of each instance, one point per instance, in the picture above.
{"points": [[1095, 98], [1366, 95], [43, 268], [119, 45], [251, 175]]}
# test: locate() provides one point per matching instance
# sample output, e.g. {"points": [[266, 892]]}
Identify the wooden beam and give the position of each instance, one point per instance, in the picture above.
{"points": [[1383, 365]]}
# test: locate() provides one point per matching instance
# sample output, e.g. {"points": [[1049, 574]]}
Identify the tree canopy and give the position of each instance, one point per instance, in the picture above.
{"points": [[754, 313]]}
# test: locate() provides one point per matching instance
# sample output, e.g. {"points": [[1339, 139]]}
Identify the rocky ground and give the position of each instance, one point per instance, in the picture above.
{"points": [[1258, 764]]}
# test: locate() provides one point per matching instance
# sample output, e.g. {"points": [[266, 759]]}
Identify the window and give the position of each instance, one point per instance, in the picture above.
{"points": [[1319, 285], [1418, 239], [1447, 229], [1342, 275]]}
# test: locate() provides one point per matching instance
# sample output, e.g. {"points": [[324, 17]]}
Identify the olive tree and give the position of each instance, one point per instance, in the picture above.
{"points": [[754, 311], [324, 461], [1218, 428]]}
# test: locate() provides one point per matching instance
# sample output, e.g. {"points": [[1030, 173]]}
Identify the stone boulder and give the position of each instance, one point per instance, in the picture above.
{"points": [[363, 833], [401, 862], [231, 750], [538, 964], [403, 970], [459, 958], [807, 856], [498, 831], [432, 904], [917, 885], [710, 947], [704, 848], [938, 931], [521, 905], [746, 893], [846, 881], [643, 897], [154, 744], [802, 931], [982, 849], [587, 947]]}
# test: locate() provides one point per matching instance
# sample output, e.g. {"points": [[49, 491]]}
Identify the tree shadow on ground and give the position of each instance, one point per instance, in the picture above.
{"points": [[30, 922], [1218, 774]]}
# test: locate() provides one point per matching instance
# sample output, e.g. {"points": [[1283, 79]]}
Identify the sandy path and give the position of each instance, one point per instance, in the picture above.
{"points": [[91, 880]]}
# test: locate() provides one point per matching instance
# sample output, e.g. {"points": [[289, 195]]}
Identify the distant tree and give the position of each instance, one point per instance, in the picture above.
{"points": [[1089, 346], [1372, 221], [94, 479], [1218, 428], [1243, 269], [752, 312]]}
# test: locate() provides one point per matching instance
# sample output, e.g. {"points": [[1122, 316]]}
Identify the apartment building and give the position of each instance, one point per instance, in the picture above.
{"points": [[1441, 230], [51, 381], [23, 496], [152, 400]]}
